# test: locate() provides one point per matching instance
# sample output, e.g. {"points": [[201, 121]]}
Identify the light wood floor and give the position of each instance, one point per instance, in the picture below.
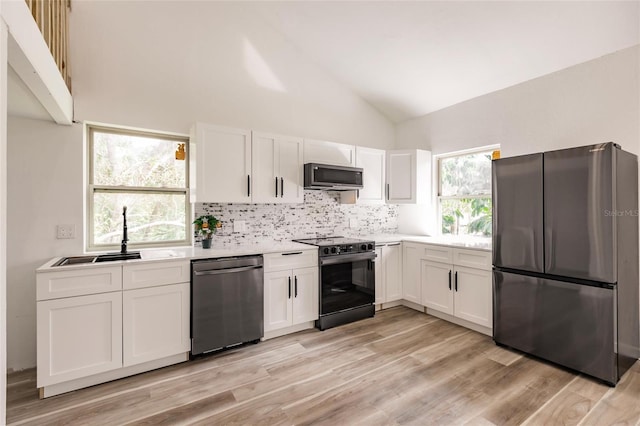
{"points": [[399, 367]]}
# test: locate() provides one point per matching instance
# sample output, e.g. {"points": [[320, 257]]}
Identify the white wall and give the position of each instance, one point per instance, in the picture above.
{"points": [[597, 101], [589, 103], [45, 187], [3, 218], [164, 65], [201, 61]]}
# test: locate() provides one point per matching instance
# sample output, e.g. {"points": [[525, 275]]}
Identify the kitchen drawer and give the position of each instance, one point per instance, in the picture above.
{"points": [[438, 253], [472, 258], [290, 260], [155, 274], [78, 282]]}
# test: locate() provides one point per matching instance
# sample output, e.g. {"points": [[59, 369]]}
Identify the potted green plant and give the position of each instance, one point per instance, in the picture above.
{"points": [[206, 226]]}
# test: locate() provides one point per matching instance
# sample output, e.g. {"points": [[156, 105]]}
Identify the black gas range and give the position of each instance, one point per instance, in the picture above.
{"points": [[347, 279]]}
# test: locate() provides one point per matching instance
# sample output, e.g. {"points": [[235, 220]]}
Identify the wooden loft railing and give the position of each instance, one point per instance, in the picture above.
{"points": [[52, 19]]}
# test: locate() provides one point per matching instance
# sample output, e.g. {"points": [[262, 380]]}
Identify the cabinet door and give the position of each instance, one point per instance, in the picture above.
{"points": [[401, 171], [277, 169], [333, 153], [278, 312], [306, 297], [372, 162], [291, 170], [266, 184], [437, 286], [392, 255], [155, 323], [473, 295], [380, 275], [222, 164], [411, 285], [78, 337]]}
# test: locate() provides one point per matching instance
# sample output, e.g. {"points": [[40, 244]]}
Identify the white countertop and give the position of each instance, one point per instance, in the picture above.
{"points": [[244, 249], [188, 253], [476, 243]]}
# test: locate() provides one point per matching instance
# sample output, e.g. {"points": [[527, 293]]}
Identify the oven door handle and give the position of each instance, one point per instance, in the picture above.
{"points": [[346, 258]]}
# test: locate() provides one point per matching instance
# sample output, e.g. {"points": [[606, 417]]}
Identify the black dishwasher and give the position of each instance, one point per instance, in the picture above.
{"points": [[226, 302]]}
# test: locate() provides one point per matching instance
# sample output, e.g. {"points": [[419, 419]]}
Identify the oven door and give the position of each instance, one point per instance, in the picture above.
{"points": [[346, 282]]}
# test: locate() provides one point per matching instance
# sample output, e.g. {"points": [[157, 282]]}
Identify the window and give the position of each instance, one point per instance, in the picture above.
{"points": [[464, 194], [140, 170]]}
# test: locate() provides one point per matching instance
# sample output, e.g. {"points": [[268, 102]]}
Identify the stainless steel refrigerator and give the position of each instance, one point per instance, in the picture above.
{"points": [[565, 257]]}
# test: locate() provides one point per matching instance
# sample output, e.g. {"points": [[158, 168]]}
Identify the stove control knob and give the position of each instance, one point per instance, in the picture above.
{"points": [[334, 250], [363, 247], [326, 250], [370, 246]]}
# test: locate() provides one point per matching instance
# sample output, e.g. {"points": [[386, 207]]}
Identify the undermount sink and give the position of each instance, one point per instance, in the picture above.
{"points": [[109, 257]]}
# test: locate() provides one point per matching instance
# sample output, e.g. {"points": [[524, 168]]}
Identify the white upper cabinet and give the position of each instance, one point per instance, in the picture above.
{"points": [[220, 164], [277, 169], [323, 152], [408, 176], [372, 162]]}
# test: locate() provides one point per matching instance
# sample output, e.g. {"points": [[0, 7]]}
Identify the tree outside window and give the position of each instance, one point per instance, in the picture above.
{"points": [[139, 170], [464, 196]]}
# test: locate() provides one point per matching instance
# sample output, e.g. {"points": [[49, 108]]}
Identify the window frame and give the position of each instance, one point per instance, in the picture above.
{"points": [[90, 129], [438, 175]]}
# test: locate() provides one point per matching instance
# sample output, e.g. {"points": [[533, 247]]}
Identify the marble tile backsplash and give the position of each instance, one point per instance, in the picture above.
{"points": [[321, 213]]}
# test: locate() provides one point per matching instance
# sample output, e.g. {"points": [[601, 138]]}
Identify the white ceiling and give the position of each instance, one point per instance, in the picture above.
{"points": [[412, 58]]}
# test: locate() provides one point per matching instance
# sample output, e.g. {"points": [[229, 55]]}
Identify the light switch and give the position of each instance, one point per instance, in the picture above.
{"points": [[66, 232]]}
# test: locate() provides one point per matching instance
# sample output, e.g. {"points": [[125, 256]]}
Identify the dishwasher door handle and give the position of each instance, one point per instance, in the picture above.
{"points": [[227, 271]]}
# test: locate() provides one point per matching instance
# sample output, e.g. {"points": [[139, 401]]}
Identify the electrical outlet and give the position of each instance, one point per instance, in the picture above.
{"points": [[66, 232], [353, 223], [238, 226]]}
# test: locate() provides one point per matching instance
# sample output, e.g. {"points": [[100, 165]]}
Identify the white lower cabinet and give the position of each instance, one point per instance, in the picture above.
{"points": [[458, 290], [107, 332], [473, 295], [290, 297], [388, 272], [155, 323], [411, 290], [291, 290], [78, 337]]}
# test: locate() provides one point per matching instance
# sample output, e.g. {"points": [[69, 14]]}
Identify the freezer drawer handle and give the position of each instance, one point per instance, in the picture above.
{"points": [[226, 271], [456, 281], [449, 279]]}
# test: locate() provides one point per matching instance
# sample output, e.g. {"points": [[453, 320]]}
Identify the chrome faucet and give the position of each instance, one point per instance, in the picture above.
{"points": [[123, 246]]}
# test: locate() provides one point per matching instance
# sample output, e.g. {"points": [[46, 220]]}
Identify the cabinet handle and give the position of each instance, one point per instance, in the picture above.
{"points": [[292, 253], [276, 187], [456, 287], [296, 286], [289, 287], [357, 194], [393, 245], [449, 279], [248, 185], [281, 187], [387, 191]]}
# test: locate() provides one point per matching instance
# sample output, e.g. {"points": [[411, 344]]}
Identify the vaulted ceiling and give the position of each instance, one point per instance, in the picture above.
{"points": [[412, 58]]}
